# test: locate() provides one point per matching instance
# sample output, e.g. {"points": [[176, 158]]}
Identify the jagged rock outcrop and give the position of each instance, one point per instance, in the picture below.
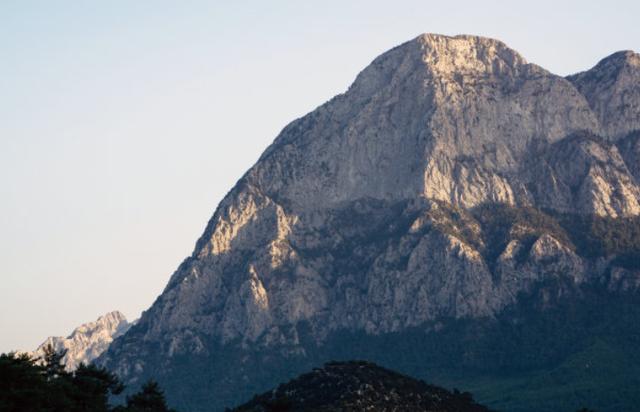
{"points": [[87, 341], [584, 174], [613, 92], [373, 212]]}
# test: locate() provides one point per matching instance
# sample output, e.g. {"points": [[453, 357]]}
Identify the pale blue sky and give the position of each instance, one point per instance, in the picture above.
{"points": [[123, 123]]}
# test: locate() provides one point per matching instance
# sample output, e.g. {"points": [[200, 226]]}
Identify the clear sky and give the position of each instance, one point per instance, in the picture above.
{"points": [[124, 123]]}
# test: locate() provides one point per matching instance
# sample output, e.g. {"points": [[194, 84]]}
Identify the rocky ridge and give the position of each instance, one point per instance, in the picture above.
{"points": [[613, 92], [87, 341]]}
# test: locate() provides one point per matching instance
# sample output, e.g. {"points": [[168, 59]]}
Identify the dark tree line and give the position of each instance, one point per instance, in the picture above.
{"points": [[43, 385]]}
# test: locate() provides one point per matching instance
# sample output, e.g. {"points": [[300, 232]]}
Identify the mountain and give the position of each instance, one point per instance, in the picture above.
{"points": [[359, 386], [613, 92], [87, 341], [458, 214]]}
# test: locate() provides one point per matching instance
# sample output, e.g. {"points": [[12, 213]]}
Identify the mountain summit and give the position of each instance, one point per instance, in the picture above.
{"points": [[87, 341], [411, 118], [613, 92], [451, 184]]}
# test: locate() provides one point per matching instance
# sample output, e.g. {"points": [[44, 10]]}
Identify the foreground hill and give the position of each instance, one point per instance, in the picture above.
{"points": [[359, 386], [457, 214]]}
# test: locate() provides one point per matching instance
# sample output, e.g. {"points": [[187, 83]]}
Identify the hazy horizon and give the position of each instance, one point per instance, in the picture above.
{"points": [[126, 123]]}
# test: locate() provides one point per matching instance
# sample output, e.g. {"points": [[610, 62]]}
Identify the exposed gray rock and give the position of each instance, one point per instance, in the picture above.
{"points": [[584, 174], [613, 92], [440, 117], [87, 341], [629, 148]]}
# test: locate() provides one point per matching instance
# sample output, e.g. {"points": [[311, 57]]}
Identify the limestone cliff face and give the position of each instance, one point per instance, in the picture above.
{"points": [[439, 117], [613, 92], [87, 341], [361, 215], [584, 174]]}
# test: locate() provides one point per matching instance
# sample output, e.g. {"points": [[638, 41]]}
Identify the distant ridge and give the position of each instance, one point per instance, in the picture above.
{"points": [[87, 341]]}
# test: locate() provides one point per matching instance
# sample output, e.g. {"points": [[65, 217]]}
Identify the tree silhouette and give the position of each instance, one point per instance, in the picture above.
{"points": [[93, 386], [149, 399], [22, 384], [43, 385], [52, 361]]}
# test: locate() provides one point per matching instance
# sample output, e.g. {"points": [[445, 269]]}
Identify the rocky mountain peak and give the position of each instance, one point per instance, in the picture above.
{"points": [[88, 340], [618, 61], [435, 57], [468, 54], [439, 117], [612, 88]]}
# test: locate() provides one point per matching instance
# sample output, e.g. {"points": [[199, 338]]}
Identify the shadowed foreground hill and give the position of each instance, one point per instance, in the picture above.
{"points": [[359, 386]]}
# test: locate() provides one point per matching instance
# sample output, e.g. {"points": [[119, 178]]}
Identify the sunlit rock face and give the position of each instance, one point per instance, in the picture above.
{"points": [[361, 215], [87, 341], [613, 92]]}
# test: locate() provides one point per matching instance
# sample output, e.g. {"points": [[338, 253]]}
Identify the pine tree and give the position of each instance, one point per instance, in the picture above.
{"points": [[92, 387], [52, 361], [43, 385], [149, 399], [22, 383]]}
